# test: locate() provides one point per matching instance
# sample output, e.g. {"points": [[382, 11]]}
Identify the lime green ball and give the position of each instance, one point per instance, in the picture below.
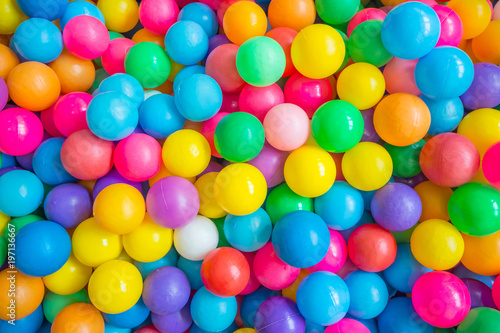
{"points": [[219, 223], [260, 61], [17, 223], [347, 56], [282, 200], [403, 237], [148, 63], [337, 126], [405, 159], [337, 11], [365, 44], [54, 303], [481, 320]]}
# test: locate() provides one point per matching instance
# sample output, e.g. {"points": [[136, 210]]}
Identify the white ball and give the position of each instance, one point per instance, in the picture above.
{"points": [[196, 239]]}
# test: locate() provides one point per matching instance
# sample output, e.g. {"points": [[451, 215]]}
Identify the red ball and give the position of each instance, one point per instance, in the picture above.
{"points": [[253, 284], [87, 157], [372, 248], [147, 329], [208, 130], [70, 112], [221, 66], [225, 272], [308, 93], [449, 160], [285, 36], [113, 60]]}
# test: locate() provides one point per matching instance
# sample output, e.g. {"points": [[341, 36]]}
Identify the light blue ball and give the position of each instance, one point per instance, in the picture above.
{"points": [[47, 9], [192, 269], [213, 313], [29, 324], [314, 328], [230, 329], [445, 73], [108, 328], [80, 7], [170, 259], [323, 298], [411, 30], [130, 318], [186, 43], [159, 116], [201, 14], [187, 72], [47, 163], [251, 303], [445, 114], [38, 39], [112, 116], [368, 293], [125, 84], [400, 316], [21, 193], [248, 233]]}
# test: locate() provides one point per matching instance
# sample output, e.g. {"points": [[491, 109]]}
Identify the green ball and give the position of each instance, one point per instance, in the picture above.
{"points": [[474, 209], [405, 159], [481, 320], [337, 126], [54, 303], [403, 237], [3, 250], [219, 223], [282, 200], [260, 61], [347, 55], [100, 75], [337, 11], [239, 137], [148, 63], [18, 222], [365, 44]]}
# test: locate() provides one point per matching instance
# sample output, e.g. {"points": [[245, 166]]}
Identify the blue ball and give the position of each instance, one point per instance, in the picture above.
{"points": [[187, 72], [248, 233], [201, 14], [323, 298], [21, 193], [400, 316], [47, 163], [26, 161], [445, 114], [411, 30], [196, 329], [368, 293], [46, 326], [405, 270], [198, 97], [38, 39], [314, 328], [251, 303], [170, 259], [80, 7], [29, 324], [47, 9], [192, 269], [341, 207], [42, 248], [130, 318], [186, 43], [159, 116], [125, 84], [112, 116], [213, 313], [108, 328], [7, 161], [445, 73], [301, 239]]}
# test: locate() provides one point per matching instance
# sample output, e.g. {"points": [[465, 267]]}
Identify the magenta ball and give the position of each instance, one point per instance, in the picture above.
{"points": [[259, 100], [70, 111], [172, 202], [113, 60], [230, 102], [112, 177], [491, 165], [365, 15], [22, 131], [271, 163], [335, 257], [86, 37], [157, 16], [308, 93], [271, 271], [347, 325], [68, 204], [221, 66], [279, 314], [286, 126], [451, 26]]}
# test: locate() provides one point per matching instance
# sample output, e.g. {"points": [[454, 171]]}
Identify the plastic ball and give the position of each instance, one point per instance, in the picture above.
{"points": [[78, 7], [54, 303], [270, 162], [244, 20], [361, 77], [496, 291], [212, 313], [69, 279], [159, 117], [28, 297], [208, 206], [196, 239], [221, 66], [434, 200], [133, 317], [170, 259], [68, 205], [481, 318], [335, 257], [445, 289], [112, 177], [201, 14], [318, 51], [483, 92], [178, 321], [309, 94], [251, 303], [198, 97], [445, 114], [485, 45], [158, 16], [33, 85], [347, 325], [490, 165], [279, 313], [368, 294], [69, 113], [282, 200], [296, 14], [482, 253], [406, 159], [365, 44], [365, 15], [120, 15], [22, 131], [475, 16], [399, 76], [451, 26], [74, 74], [9, 61], [21, 192], [166, 290], [250, 232], [80, 317], [148, 63], [481, 127], [285, 36], [271, 271], [446, 152], [400, 315], [86, 37], [481, 294], [259, 100], [186, 42], [137, 157], [13, 16], [192, 270], [113, 60]]}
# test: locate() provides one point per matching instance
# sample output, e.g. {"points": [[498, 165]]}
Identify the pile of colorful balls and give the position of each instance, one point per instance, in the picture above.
{"points": [[261, 166]]}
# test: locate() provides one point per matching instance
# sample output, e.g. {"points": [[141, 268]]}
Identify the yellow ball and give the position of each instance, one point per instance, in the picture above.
{"points": [[115, 286], [245, 330], [149, 242], [310, 171], [119, 208], [362, 85], [208, 205], [11, 16], [367, 166], [291, 291], [164, 172], [482, 127], [70, 278], [318, 51], [437, 244], [240, 189], [119, 15], [174, 70], [93, 245], [4, 220], [186, 153]]}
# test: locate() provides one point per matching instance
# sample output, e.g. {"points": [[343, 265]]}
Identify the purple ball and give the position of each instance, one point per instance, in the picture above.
{"points": [[215, 41], [113, 177], [279, 314], [176, 322], [271, 163], [369, 134], [484, 91], [172, 202], [480, 294], [166, 290], [212, 167], [68, 204], [396, 207], [4, 94], [411, 181], [12, 168]]}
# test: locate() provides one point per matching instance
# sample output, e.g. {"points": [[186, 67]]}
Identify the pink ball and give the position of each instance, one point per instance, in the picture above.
{"points": [[286, 126], [113, 60], [431, 3], [496, 291], [441, 299], [157, 16], [138, 157], [214, 4], [70, 112], [253, 284], [21, 131], [147, 329], [365, 15], [308, 93], [271, 271], [347, 325], [86, 37], [451, 26], [399, 76], [271, 163], [335, 257], [208, 130], [491, 165], [221, 66], [48, 120], [348, 268], [259, 100], [230, 102]]}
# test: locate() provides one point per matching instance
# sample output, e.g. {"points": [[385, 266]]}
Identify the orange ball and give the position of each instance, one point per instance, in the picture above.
{"points": [[244, 20], [475, 15], [434, 201], [466, 46], [29, 293], [486, 46], [8, 60], [482, 254], [401, 119], [145, 36], [33, 86], [78, 317], [295, 14], [75, 74]]}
